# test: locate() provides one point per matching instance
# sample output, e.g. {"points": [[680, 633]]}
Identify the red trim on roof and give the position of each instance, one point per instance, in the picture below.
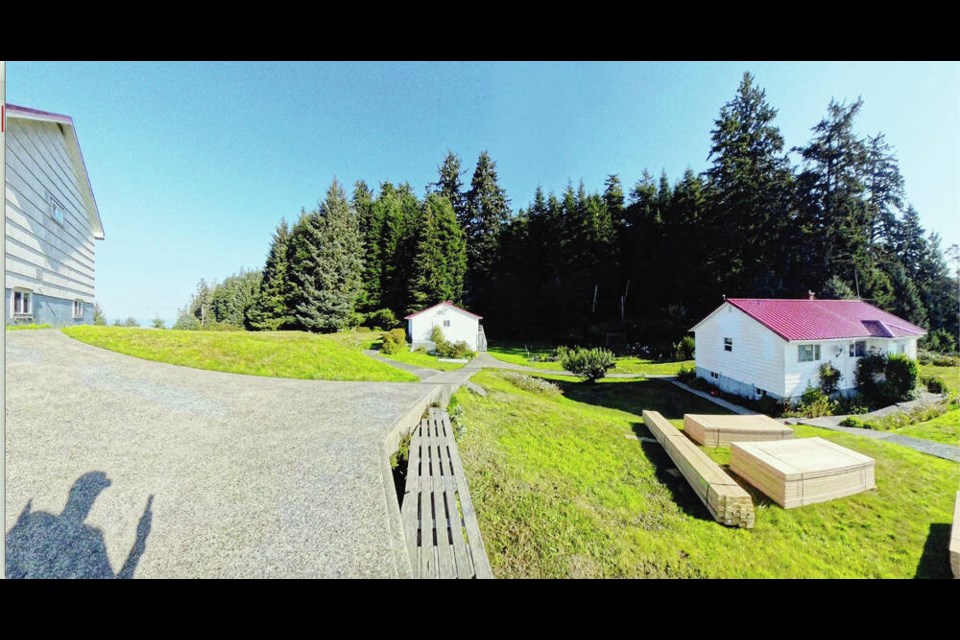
{"points": [[446, 303], [806, 319], [15, 110]]}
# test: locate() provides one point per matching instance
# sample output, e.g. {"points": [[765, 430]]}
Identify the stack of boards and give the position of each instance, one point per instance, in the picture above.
{"points": [[955, 539], [727, 502], [720, 431], [804, 471]]}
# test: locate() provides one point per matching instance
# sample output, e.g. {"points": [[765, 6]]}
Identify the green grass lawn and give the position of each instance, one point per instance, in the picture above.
{"points": [[563, 489], [950, 375], [945, 429], [286, 354], [518, 354], [27, 327], [420, 359]]}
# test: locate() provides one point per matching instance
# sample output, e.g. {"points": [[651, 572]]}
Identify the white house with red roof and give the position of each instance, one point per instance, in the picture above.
{"points": [[457, 324], [52, 221], [769, 347]]}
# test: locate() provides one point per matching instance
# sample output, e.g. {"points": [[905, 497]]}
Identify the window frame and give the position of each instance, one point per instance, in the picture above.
{"points": [[856, 351], [22, 291], [56, 206], [715, 375], [814, 352], [728, 344], [446, 323], [78, 304]]}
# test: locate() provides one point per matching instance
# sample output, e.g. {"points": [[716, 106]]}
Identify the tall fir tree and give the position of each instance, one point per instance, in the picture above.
{"points": [[751, 182], [271, 306], [487, 210], [440, 260], [370, 222], [326, 264], [450, 185]]}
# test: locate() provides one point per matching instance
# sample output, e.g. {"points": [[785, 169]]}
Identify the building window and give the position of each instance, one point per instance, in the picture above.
{"points": [[714, 375], [446, 323], [78, 308], [56, 211], [760, 392], [22, 302], [728, 344], [858, 349], [901, 348], [808, 352]]}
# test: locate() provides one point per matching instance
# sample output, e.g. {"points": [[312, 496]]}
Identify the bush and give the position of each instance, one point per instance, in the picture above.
{"points": [[940, 341], [354, 320], [459, 350], [530, 383], [382, 319], [814, 403], [883, 380], [440, 344], [829, 378], [938, 359], [187, 322], [687, 374], [934, 384], [684, 349], [159, 324], [394, 341], [131, 322], [588, 364]]}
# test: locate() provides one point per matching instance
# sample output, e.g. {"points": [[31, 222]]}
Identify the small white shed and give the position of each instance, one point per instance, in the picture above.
{"points": [[457, 324]]}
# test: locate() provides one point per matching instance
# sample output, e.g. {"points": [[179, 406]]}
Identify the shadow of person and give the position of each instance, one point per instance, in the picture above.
{"points": [[43, 545]]}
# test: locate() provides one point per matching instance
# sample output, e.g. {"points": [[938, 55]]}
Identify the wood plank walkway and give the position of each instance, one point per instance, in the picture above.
{"points": [[439, 522]]}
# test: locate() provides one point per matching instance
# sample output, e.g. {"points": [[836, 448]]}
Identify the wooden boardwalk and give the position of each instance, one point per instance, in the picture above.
{"points": [[443, 537]]}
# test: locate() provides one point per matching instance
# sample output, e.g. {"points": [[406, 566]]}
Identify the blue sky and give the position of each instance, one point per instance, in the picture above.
{"points": [[193, 164]]}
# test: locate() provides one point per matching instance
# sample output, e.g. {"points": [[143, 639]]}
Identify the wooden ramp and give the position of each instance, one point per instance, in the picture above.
{"points": [[727, 501], [443, 537]]}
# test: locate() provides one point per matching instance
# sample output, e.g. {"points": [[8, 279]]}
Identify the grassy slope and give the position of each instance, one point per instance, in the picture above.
{"points": [[288, 354], [27, 327], [945, 429], [560, 490], [950, 375], [360, 340], [517, 354]]}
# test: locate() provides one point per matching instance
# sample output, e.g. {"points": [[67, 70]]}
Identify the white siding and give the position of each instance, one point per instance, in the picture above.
{"points": [[801, 374], [462, 327], [42, 255], [757, 355]]}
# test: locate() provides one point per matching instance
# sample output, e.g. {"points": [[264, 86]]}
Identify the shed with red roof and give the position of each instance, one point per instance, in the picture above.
{"points": [[456, 324], [757, 347]]}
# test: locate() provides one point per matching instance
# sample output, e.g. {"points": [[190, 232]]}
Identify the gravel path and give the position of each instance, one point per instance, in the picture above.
{"points": [[117, 465]]}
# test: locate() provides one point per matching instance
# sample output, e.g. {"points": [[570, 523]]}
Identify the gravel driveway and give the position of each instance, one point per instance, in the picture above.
{"points": [[117, 465]]}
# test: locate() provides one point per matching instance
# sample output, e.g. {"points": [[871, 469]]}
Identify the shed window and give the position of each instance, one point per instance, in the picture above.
{"points": [[78, 308], [808, 352], [728, 344], [714, 375], [446, 323], [760, 392], [858, 349], [56, 211], [22, 302]]}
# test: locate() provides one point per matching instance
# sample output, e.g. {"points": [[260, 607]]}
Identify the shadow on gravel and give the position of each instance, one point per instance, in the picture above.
{"points": [[43, 545]]}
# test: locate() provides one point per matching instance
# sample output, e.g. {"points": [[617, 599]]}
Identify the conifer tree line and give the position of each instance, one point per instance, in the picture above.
{"points": [[638, 264]]}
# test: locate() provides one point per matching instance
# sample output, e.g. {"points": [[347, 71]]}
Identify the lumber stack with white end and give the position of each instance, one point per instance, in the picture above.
{"points": [[720, 431], [955, 539], [798, 472], [726, 501]]}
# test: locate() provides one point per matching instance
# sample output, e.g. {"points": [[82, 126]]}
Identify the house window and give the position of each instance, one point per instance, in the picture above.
{"points": [[714, 375], [728, 344], [446, 323], [22, 302], [901, 348], [760, 392], [56, 211], [808, 352], [78, 308], [858, 349]]}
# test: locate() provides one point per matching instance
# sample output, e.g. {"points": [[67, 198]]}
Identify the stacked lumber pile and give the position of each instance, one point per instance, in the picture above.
{"points": [[955, 539], [727, 502], [798, 472], [720, 431]]}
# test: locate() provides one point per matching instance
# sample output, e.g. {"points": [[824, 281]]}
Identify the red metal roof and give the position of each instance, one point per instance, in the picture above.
{"points": [[16, 110], [446, 303], [825, 319]]}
